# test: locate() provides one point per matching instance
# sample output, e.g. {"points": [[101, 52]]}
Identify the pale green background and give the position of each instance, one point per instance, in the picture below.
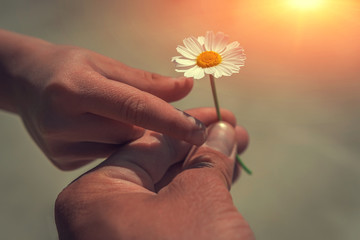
{"points": [[298, 97]]}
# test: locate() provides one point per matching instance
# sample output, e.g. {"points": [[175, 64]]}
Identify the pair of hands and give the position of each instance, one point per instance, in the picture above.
{"points": [[78, 106]]}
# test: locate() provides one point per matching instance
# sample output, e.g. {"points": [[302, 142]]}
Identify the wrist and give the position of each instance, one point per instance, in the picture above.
{"points": [[16, 56]]}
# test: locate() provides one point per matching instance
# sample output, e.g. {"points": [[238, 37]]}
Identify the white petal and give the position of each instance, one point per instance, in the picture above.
{"points": [[232, 67], [200, 73], [201, 40], [236, 62], [225, 71], [195, 72], [209, 70], [209, 38], [186, 62], [178, 65], [236, 58], [181, 70], [233, 51], [217, 73], [173, 59], [193, 45], [190, 72], [233, 45], [220, 42], [186, 52]]}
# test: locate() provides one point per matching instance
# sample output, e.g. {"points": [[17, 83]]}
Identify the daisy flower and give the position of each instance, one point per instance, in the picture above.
{"points": [[212, 54]]}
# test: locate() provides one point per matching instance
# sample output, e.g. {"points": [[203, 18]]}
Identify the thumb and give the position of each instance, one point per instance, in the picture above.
{"points": [[212, 164]]}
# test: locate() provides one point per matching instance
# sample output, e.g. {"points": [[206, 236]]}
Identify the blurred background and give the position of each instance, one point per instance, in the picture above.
{"points": [[298, 96]]}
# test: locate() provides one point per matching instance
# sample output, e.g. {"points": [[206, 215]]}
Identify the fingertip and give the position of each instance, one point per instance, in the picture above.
{"points": [[242, 138], [208, 115], [215, 159], [221, 138], [198, 132], [171, 89], [186, 82], [237, 172], [228, 116], [181, 88]]}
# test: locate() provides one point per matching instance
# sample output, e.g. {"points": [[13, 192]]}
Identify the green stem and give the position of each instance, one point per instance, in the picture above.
{"points": [[242, 164], [213, 88], [216, 101]]}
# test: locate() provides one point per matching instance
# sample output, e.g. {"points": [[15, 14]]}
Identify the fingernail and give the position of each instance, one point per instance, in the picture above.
{"points": [[199, 134], [221, 137]]}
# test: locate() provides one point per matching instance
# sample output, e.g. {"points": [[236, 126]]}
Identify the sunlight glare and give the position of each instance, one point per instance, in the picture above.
{"points": [[306, 4]]}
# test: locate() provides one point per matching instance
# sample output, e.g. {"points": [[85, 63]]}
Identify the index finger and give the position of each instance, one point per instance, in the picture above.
{"points": [[124, 103]]}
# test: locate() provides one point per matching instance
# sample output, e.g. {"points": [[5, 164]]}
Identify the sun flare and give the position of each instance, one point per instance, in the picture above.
{"points": [[306, 4]]}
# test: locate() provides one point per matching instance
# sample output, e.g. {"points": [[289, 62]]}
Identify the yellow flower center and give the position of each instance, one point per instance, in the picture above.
{"points": [[208, 59]]}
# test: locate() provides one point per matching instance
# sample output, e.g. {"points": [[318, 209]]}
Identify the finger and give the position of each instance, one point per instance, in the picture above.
{"points": [[170, 174], [166, 88], [242, 139], [208, 115], [69, 156], [211, 164], [242, 142], [127, 104], [93, 128], [146, 160]]}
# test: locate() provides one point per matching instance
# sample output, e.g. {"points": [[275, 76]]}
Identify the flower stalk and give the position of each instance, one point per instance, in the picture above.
{"points": [[217, 107], [216, 101]]}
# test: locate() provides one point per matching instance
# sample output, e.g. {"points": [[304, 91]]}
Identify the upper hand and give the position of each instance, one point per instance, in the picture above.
{"points": [[79, 105]]}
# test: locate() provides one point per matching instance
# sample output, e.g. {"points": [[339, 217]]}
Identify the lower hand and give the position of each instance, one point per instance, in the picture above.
{"points": [[149, 189]]}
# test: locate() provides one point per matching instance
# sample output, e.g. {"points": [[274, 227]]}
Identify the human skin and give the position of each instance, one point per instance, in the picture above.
{"points": [[79, 105], [149, 189]]}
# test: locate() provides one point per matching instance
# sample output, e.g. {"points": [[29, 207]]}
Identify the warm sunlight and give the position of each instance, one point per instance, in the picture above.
{"points": [[306, 4]]}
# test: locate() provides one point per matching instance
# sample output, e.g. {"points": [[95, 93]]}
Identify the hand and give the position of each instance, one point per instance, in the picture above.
{"points": [[147, 191], [79, 105]]}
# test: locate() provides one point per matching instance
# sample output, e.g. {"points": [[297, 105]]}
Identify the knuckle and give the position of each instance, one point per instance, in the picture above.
{"points": [[72, 209], [216, 162], [151, 79], [61, 205], [53, 108], [66, 214], [134, 108], [56, 95], [48, 127], [72, 53], [148, 76], [206, 159]]}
